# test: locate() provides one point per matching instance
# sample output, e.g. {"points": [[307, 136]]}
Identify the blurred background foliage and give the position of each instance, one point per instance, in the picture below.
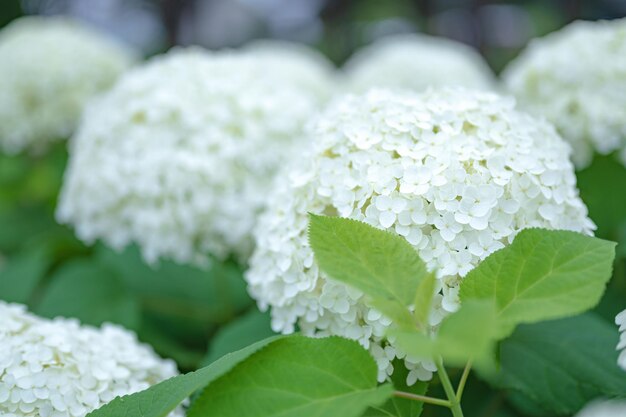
{"points": [[193, 315]]}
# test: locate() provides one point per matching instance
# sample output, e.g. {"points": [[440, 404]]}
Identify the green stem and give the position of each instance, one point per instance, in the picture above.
{"points": [[461, 387], [455, 405], [422, 398]]}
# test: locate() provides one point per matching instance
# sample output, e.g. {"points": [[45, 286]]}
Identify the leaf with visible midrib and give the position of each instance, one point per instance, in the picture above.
{"points": [[382, 265], [160, 399], [297, 377], [542, 275]]}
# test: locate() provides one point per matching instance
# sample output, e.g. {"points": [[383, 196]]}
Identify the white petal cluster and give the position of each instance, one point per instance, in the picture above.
{"points": [[620, 320], [416, 62], [49, 68], [576, 78], [456, 173], [178, 157], [58, 368], [604, 409]]}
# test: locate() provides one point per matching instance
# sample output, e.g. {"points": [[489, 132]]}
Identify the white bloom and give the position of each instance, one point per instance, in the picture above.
{"points": [[179, 156], [604, 409], [416, 62], [620, 320], [456, 173], [49, 68], [57, 368], [576, 78]]}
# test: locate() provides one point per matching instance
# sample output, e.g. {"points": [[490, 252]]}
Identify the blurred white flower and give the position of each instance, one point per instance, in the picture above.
{"points": [[58, 368], [49, 68], [620, 320], [456, 173], [179, 156], [576, 78], [604, 409], [416, 62]]}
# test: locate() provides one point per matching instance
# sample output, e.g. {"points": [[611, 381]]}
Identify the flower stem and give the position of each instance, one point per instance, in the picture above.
{"points": [[461, 387], [422, 398], [455, 405]]}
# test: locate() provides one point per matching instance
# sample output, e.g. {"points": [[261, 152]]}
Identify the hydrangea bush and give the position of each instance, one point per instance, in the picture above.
{"points": [[416, 62], [49, 69], [55, 368], [456, 173], [404, 232], [178, 157], [576, 78]]}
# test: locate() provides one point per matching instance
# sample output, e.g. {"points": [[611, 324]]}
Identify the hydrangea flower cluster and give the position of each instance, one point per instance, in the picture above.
{"points": [[620, 320], [416, 62], [49, 68], [58, 368], [604, 409], [457, 173], [576, 78], [179, 155]]}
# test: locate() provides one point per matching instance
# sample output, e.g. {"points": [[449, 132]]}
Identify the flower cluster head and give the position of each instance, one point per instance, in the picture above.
{"points": [[576, 78], [457, 173], [620, 320], [178, 157], [49, 68], [58, 368], [416, 62]]}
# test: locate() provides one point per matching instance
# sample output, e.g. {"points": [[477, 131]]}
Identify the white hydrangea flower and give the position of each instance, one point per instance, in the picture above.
{"points": [[49, 68], [620, 320], [604, 409], [58, 368], [576, 78], [179, 156], [417, 62], [456, 173]]}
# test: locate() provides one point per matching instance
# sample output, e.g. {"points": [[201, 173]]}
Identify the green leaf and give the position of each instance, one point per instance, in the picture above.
{"points": [[160, 399], [607, 206], [382, 265], [563, 364], [542, 275], [468, 334], [198, 296], [297, 377], [82, 289], [424, 297], [238, 334], [20, 275], [396, 406]]}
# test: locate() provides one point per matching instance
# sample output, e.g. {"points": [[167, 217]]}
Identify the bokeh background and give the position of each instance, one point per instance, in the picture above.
{"points": [[195, 316], [497, 28]]}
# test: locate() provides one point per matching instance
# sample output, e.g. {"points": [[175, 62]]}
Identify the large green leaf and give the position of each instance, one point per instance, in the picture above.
{"points": [[297, 377], [468, 334], [238, 334], [160, 399], [20, 275], [382, 265], [396, 406], [542, 275], [562, 364], [84, 290]]}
